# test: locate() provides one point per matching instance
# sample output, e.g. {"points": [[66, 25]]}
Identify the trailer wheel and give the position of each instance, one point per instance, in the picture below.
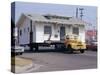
{"points": [[56, 47], [21, 53], [59, 47], [69, 48], [31, 47], [63, 47]]}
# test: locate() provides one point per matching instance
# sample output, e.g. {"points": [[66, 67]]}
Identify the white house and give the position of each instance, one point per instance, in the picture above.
{"points": [[48, 27]]}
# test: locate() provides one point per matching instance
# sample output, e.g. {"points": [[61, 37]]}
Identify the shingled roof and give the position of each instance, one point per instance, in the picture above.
{"points": [[51, 19]]}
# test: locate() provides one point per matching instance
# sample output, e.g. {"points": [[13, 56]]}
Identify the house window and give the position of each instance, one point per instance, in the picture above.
{"points": [[76, 30], [20, 32], [47, 30]]}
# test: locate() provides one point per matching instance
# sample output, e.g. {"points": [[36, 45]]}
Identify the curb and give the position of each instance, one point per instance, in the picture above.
{"points": [[19, 69]]}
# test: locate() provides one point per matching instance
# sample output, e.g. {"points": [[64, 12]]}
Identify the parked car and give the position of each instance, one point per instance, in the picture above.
{"points": [[92, 46], [17, 50]]}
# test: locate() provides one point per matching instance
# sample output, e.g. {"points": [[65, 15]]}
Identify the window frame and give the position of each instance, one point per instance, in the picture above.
{"points": [[47, 29], [75, 30]]}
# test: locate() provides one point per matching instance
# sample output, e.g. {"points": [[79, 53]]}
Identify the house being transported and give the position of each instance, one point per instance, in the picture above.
{"points": [[36, 29]]}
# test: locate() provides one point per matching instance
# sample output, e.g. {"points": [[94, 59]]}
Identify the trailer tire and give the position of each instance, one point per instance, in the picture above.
{"points": [[21, 53], [59, 47], [63, 47], [69, 48], [56, 47]]}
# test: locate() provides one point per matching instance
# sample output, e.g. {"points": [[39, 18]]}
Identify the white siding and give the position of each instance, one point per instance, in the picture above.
{"points": [[40, 36], [55, 31], [23, 39], [38, 32], [68, 29], [82, 33]]}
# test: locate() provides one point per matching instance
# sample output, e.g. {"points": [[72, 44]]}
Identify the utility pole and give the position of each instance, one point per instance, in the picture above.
{"points": [[81, 13], [76, 12]]}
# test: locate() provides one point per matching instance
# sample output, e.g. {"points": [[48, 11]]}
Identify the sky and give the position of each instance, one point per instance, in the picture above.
{"points": [[89, 12]]}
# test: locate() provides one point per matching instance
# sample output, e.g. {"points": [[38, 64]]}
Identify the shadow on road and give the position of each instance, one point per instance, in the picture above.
{"points": [[50, 50], [42, 50]]}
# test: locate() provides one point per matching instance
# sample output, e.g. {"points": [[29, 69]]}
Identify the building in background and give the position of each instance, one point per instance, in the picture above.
{"points": [[91, 35]]}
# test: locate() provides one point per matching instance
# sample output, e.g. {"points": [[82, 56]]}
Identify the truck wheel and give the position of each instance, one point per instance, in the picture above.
{"points": [[82, 51], [63, 47], [70, 50]]}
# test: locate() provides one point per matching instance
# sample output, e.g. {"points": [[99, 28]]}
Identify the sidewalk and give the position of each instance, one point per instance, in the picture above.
{"points": [[19, 65]]}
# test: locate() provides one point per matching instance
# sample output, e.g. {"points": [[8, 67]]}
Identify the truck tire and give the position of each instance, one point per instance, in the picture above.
{"points": [[63, 47], [59, 47], [69, 48], [18, 53], [82, 51]]}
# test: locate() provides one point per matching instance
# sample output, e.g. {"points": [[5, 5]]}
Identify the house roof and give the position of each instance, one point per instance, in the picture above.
{"points": [[51, 19]]}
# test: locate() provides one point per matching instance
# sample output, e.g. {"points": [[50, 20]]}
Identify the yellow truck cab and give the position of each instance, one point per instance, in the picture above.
{"points": [[73, 43]]}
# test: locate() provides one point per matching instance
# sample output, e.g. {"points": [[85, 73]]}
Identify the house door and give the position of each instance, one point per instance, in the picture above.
{"points": [[62, 33]]}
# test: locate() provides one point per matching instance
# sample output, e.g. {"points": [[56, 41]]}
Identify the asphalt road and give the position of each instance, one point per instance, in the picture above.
{"points": [[55, 61]]}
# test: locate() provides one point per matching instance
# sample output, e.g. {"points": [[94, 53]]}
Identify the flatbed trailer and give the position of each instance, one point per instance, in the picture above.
{"points": [[56, 44], [69, 44]]}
